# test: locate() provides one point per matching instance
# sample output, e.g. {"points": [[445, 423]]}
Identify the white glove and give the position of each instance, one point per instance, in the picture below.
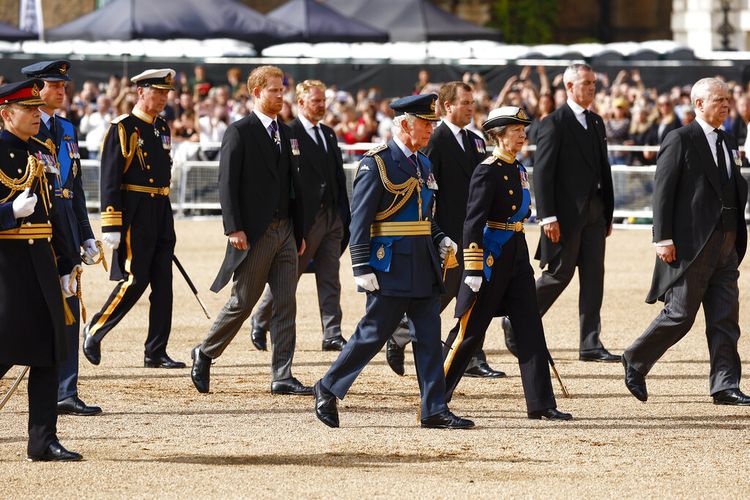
{"points": [[24, 204], [367, 281], [90, 249], [69, 285], [446, 244], [112, 240], [473, 282]]}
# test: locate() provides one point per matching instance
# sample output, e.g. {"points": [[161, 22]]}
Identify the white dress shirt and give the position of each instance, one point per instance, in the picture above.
{"points": [[309, 129], [456, 130]]}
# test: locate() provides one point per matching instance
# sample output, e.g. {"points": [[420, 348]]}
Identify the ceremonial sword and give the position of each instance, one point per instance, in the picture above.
{"points": [[13, 386]]}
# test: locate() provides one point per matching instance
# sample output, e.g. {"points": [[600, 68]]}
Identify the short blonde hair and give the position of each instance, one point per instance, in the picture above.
{"points": [[259, 76], [303, 88]]}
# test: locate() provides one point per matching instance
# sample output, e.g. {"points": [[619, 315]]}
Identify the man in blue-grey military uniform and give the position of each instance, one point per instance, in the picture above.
{"points": [[396, 249], [59, 136], [137, 221]]}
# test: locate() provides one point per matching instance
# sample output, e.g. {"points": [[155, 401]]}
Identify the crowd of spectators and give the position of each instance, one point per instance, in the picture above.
{"points": [[200, 110]]}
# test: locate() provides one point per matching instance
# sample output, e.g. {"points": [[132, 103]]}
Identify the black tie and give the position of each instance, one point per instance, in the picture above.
{"points": [[53, 128], [415, 161], [319, 138], [587, 116], [721, 160], [273, 128], [465, 140]]}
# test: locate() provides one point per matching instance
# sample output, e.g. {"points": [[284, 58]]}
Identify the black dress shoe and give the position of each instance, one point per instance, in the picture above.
{"points": [[258, 337], [635, 381], [201, 371], [290, 386], [550, 414], [336, 343], [92, 348], [163, 361], [510, 338], [446, 420], [56, 453], [325, 406], [731, 397], [394, 355], [602, 355], [483, 370], [74, 406]]}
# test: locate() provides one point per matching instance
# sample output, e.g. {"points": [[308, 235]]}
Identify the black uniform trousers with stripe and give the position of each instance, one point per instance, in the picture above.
{"points": [[509, 292]]}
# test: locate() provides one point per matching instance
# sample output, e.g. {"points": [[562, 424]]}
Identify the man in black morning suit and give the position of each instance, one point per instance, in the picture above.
{"points": [[574, 202], [70, 201], [700, 236], [262, 209], [454, 152], [327, 216]]}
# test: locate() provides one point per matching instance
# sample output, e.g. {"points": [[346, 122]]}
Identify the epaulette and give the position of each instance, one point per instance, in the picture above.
{"points": [[58, 117], [490, 160], [48, 144], [160, 118], [120, 118], [376, 149]]}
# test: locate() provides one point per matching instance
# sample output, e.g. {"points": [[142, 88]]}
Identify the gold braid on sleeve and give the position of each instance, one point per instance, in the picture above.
{"points": [[404, 190]]}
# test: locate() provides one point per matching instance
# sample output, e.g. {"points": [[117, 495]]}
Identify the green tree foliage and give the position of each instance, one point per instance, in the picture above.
{"points": [[527, 22]]}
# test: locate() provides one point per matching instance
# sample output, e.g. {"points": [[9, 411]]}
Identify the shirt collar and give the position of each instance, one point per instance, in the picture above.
{"points": [[305, 122], [454, 128], [45, 117], [407, 152], [142, 115], [577, 108], [707, 129], [264, 119]]}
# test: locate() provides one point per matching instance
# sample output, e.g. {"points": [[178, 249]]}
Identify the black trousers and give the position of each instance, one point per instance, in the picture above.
{"points": [[583, 249], [509, 292], [148, 246], [42, 389]]}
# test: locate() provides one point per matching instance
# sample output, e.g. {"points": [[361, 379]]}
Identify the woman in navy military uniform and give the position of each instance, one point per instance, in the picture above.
{"points": [[498, 276], [32, 259]]}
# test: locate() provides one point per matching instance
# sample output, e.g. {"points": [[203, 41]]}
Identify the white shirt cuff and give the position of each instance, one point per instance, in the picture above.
{"points": [[548, 220], [664, 243]]}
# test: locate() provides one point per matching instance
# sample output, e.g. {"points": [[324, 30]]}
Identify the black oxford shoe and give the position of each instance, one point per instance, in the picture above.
{"points": [[201, 370], [510, 338], [325, 406], [336, 343], [446, 420], [74, 406], [162, 361], [56, 453], [601, 355], [483, 370], [291, 386], [92, 348], [394, 355], [258, 338], [550, 414], [635, 381], [731, 397]]}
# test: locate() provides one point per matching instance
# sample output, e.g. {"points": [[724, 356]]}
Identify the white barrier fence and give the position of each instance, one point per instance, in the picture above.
{"points": [[195, 189]]}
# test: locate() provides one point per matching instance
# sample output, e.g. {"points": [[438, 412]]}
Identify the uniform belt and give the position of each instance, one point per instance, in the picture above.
{"points": [[401, 228], [28, 231], [161, 191], [516, 227], [64, 193]]}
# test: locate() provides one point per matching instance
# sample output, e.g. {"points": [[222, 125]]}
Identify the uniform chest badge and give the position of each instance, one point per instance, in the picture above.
{"points": [[50, 163], [479, 145], [380, 253], [490, 261], [431, 182], [75, 170], [295, 146], [156, 132], [166, 142], [737, 158], [524, 179]]}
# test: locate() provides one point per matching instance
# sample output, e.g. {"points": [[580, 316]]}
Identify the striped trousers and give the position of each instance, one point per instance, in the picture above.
{"points": [[273, 260]]}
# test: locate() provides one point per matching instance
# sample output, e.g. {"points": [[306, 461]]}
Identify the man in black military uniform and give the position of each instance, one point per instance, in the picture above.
{"points": [[59, 135], [137, 219], [32, 309], [394, 247]]}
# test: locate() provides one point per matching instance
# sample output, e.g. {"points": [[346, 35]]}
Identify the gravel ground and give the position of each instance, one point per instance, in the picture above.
{"points": [[158, 437]]}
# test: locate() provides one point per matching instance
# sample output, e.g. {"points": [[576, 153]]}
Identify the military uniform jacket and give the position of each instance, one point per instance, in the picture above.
{"points": [[688, 201], [249, 186], [405, 264], [33, 255], [70, 199], [135, 153], [499, 203], [312, 165]]}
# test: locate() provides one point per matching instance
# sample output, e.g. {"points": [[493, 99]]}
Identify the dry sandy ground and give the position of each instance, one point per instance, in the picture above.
{"points": [[159, 438]]}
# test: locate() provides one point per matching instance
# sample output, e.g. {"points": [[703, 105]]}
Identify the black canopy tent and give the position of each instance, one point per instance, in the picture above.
{"points": [[320, 23], [168, 19], [412, 20], [10, 33]]}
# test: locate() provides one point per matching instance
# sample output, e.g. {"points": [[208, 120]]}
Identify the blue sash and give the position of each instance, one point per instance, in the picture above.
{"points": [[68, 151]]}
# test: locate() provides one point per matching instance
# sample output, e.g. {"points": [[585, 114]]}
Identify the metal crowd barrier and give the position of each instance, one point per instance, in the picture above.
{"points": [[195, 189]]}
